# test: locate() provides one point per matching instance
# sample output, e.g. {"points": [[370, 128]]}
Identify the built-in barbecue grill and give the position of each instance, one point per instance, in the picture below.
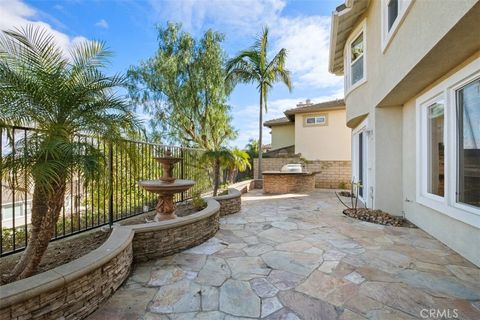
{"points": [[292, 167]]}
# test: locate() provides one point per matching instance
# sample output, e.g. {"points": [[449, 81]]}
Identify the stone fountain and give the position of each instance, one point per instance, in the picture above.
{"points": [[166, 187]]}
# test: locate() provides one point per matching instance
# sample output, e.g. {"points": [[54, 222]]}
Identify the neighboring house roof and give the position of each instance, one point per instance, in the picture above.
{"points": [[315, 107], [337, 104], [344, 19], [276, 122]]}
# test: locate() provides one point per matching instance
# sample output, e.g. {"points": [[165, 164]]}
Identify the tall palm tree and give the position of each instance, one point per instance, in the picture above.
{"points": [[253, 66], [62, 95]]}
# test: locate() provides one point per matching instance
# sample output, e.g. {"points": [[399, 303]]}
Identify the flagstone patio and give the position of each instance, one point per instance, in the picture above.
{"points": [[299, 257]]}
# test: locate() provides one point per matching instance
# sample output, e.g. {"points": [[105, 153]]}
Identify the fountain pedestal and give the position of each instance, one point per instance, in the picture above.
{"points": [[165, 207], [166, 187]]}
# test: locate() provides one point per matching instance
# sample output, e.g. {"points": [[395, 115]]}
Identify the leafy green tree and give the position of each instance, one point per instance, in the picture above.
{"points": [[182, 86], [216, 159], [253, 66], [252, 148], [239, 162], [230, 159], [63, 95]]}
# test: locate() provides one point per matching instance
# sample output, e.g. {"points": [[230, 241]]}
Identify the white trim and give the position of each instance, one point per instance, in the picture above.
{"points": [[361, 128], [446, 90], [361, 28], [387, 35]]}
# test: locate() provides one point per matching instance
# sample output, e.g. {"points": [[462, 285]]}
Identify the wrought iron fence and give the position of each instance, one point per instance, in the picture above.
{"points": [[113, 197]]}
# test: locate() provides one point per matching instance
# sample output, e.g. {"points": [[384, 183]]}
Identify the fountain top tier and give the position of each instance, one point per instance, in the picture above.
{"points": [[168, 162]]}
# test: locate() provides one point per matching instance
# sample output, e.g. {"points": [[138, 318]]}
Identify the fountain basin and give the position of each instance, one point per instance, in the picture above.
{"points": [[166, 205], [162, 187]]}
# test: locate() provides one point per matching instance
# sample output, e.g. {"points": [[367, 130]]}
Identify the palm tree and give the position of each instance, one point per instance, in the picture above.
{"points": [[62, 95], [217, 158], [252, 66], [239, 162]]}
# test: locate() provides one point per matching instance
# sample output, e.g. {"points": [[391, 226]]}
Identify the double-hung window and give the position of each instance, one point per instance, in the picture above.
{"points": [[448, 146], [356, 58], [393, 13]]}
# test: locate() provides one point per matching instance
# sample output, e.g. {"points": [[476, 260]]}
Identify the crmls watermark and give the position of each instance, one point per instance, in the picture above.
{"points": [[439, 313]]}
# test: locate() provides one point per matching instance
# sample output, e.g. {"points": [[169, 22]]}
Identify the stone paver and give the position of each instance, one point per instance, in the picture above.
{"points": [[237, 298], [296, 257]]}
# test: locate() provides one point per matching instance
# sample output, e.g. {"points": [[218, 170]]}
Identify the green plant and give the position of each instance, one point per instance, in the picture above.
{"points": [[198, 202], [64, 95], [182, 86], [342, 185], [253, 66]]}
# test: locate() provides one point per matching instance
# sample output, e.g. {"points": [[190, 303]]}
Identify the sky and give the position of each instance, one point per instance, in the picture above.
{"points": [[300, 26]]}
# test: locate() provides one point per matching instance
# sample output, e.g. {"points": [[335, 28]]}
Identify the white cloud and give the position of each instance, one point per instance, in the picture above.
{"points": [[307, 40], [14, 14], [102, 24], [243, 17]]}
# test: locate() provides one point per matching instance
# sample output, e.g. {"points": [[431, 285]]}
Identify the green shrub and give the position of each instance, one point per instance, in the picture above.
{"points": [[342, 185], [198, 202]]}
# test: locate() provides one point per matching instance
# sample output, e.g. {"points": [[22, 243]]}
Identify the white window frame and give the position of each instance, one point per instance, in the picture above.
{"points": [[315, 116], [361, 128], [424, 136], [361, 28], [448, 204], [387, 35]]}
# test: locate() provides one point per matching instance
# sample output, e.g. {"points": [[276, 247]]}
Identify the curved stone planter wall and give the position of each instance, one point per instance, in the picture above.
{"points": [[76, 289], [230, 203]]}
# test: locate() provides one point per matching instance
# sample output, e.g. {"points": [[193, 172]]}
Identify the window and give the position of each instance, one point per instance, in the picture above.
{"points": [[436, 149], [468, 145], [8, 209], [355, 58], [448, 146], [392, 8], [315, 120], [393, 14]]}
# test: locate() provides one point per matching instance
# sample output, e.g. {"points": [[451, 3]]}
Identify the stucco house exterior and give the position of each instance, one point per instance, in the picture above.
{"points": [[316, 134], [412, 96], [317, 131]]}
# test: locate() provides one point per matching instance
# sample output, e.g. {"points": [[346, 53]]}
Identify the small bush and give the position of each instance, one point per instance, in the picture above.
{"points": [[342, 185], [198, 202]]}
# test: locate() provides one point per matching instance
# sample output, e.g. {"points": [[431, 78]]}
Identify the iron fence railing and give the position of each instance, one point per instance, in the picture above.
{"points": [[113, 197]]}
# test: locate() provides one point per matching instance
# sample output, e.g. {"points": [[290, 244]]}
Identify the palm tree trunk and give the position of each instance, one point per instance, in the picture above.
{"points": [[260, 135], [45, 211], [216, 176]]}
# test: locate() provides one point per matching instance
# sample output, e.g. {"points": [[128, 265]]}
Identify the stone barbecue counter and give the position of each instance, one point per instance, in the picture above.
{"points": [[288, 182]]}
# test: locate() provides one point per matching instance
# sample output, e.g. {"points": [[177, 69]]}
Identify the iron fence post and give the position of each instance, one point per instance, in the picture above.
{"points": [[182, 170], [110, 184]]}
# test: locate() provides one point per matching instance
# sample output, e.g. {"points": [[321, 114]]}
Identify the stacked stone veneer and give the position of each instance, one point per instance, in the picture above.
{"points": [[230, 203], [329, 174], [288, 182], [74, 290], [150, 242]]}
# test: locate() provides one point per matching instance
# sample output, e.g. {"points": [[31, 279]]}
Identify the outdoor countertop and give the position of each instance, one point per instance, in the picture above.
{"points": [[287, 173]]}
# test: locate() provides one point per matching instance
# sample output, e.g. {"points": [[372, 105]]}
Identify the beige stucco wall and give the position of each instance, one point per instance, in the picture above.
{"points": [[283, 136], [328, 142], [415, 37], [459, 236], [392, 167], [392, 139]]}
